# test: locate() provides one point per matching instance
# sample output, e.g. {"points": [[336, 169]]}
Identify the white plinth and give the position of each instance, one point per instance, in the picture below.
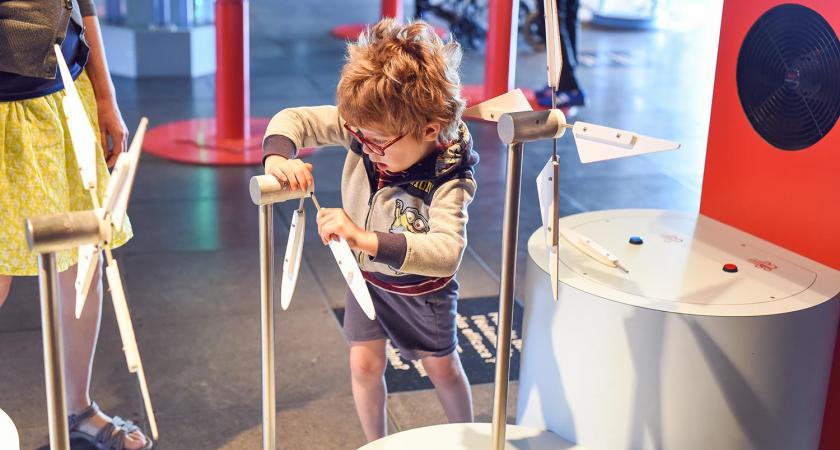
{"points": [[470, 436], [677, 354]]}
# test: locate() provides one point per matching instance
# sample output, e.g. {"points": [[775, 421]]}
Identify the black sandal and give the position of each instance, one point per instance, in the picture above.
{"points": [[110, 437]]}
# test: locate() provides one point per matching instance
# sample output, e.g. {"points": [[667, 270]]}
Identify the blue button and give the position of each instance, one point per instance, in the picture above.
{"points": [[636, 240]]}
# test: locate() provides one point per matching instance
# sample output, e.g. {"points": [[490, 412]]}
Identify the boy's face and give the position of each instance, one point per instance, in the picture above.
{"points": [[403, 152]]}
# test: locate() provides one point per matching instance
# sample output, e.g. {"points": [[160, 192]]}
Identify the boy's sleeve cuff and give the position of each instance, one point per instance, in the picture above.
{"points": [[277, 144], [391, 249]]}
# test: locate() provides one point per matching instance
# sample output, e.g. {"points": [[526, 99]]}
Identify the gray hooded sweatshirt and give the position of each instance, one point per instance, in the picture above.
{"points": [[420, 217]]}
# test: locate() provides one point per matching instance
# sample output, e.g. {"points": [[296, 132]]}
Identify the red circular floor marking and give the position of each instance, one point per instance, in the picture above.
{"points": [[194, 141]]}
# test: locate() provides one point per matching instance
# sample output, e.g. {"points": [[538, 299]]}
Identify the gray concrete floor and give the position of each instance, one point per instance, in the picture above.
{"points": [[191, 272]]}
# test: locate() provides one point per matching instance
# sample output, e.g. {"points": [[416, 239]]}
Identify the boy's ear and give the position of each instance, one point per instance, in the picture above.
{"points": [[431, 132]]}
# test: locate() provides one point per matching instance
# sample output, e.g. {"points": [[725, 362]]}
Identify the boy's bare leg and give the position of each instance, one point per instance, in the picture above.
{"points": [[80, 336], [367, 367], [451, 385], [5, 285]]}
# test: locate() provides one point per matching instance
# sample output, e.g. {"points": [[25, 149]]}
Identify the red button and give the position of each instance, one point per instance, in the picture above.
{"points": [[730, 268]]}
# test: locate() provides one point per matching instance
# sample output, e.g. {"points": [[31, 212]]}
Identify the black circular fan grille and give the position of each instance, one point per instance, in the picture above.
{"points": [[789, 77]]}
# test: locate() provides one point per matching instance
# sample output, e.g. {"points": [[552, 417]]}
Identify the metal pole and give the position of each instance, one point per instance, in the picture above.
{"points": [[267, 325], [509, 241], [53, 352]]}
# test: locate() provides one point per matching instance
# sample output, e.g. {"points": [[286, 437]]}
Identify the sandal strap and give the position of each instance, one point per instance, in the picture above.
{"points": [[110, 438], [123, 424], [76, 419]]}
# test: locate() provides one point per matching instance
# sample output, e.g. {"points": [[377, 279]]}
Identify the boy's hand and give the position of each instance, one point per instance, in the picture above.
{"points": [[334, 223], [293, 171]]}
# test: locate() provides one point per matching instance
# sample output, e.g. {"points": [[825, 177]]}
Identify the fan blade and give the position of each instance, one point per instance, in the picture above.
{"points": [[81, 133], [123, 191], [554, 271], [491, 110], [548, 191], [132, 355], [553, 47], [600, 143], [129, 341], [147, 401], [85, 269], [352, 275], [291, 262], [115, 185]]}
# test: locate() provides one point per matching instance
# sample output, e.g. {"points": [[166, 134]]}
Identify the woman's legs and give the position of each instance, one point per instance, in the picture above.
{"points": [[367, 368], [451, 385], [80, 336]]}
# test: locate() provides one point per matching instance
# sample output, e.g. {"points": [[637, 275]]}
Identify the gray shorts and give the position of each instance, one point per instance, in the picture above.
{"points": [[418, 326]]}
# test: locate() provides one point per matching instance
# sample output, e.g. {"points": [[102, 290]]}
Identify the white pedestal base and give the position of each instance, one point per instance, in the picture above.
{"points": [[470, 436], [677, 354]]}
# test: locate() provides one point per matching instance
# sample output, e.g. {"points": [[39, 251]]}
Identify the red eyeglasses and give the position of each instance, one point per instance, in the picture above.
{"points": [[375, 148]]}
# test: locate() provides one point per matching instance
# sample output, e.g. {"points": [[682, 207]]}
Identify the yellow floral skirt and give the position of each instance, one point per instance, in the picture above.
{"points": [[39, 175]]}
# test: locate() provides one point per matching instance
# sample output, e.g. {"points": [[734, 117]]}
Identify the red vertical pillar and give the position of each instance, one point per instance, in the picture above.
{"points": [[500, 58], [232, 69], [393, 8], [501, 47]]}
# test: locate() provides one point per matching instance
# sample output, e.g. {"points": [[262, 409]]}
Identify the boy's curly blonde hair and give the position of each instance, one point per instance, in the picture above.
{"points": [[399, 78]]}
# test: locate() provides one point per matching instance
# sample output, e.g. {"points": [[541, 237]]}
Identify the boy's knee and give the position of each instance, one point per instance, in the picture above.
{"points": [[367, 366], [443, 373]]}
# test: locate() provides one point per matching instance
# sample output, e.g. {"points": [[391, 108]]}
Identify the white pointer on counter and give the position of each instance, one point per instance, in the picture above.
{"points": [[593, 143], [113, 213]]}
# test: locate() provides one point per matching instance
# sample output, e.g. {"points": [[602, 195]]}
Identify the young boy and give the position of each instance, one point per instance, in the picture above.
{"points": [[406, 185]]}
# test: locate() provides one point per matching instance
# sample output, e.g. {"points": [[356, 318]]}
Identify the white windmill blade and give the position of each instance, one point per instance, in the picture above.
{"points": [[599, 143], [119, 176], [352, 275], [548, 191], [81, 133], [291, 262], [122, 191], [85, 269], [491, 110], [553, 46], [129, 341]]}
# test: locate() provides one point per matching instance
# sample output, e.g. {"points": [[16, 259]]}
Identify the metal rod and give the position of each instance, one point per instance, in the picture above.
{"points": [[315, 201], [527, 126], [267, 325], [266, 190], [46, 234], [509, 241], [53, 352]]}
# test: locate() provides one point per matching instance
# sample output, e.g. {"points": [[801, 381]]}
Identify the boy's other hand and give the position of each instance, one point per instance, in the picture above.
{"points": [[334, 223], [293, 171]]}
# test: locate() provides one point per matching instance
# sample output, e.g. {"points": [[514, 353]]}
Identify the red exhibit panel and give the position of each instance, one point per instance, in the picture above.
{"points": [[773, 158]]}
